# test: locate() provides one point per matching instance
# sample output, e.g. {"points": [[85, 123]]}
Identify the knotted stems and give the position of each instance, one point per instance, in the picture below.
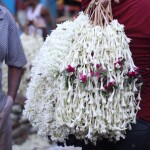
{"points": [[98, 13]]}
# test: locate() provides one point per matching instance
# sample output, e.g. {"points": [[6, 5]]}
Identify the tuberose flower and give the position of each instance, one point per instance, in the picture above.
{"points": [[98, 74], [112, 83]]}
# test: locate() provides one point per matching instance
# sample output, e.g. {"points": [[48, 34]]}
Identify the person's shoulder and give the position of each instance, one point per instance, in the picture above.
{"points": [[3, 10], [4, 13]]}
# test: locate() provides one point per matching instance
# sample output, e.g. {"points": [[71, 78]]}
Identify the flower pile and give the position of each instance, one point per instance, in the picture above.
{"points": [[84, 82], [43, 90], [31, 45]]}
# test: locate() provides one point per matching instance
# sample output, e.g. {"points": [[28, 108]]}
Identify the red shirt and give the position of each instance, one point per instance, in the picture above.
{"points": [[135, 15]]}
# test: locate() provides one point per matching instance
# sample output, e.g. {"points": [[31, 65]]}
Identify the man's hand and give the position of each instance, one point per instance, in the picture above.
{"points": [[117, 1], [4, 115], [106, 2]]}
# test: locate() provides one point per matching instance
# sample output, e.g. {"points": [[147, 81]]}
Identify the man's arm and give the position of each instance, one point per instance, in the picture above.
{"points": [[14, 77], [15, 58], [117, 1]]}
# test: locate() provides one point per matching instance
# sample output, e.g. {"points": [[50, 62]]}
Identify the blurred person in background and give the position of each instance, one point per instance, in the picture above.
{"points": [[12, 6], [51, 6], [21, 13], [12, 52], [71, 10], [38, 17], [60, 8]]}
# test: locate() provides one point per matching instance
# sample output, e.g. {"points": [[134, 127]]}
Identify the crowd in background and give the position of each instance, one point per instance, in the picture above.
{"points": [[42, 14]]}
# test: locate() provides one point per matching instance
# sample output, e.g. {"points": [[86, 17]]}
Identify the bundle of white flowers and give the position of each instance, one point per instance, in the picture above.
{"points": [[84, 81], [31, 45]]}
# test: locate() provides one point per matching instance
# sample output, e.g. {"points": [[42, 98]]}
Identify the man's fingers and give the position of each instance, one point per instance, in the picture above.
{"points": [[117, 1]]}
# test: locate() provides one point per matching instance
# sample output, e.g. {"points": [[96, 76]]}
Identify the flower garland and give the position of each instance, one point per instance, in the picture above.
{"points": [[42, 90], [84, 82]]}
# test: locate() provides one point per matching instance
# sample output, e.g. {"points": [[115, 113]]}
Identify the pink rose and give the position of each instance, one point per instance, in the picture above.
{"points": [[92, 73], [98, 74], [110, 85], [118, 64], [133, 73], [98, 66], [70, 69], [83, 78], [106, 87]]}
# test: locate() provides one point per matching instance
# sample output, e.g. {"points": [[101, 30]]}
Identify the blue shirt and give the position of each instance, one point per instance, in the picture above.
{"points": [[10, 46]]}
